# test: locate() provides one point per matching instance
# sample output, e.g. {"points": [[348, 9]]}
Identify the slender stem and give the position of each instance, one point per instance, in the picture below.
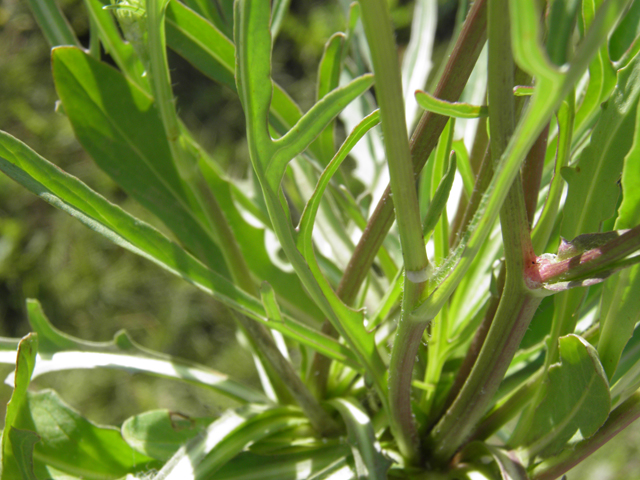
{"points": [[532, 173], [618, 420], [380, 36]]}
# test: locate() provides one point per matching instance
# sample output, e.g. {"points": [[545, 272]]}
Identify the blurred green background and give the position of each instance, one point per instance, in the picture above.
{"points": [[91, 288]]}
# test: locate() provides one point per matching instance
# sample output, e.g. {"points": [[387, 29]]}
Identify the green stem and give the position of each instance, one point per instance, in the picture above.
{"points": [[518, 302], [424, 139], [378, 29]]}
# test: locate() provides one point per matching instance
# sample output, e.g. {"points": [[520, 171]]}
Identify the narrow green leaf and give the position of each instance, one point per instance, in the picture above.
{"points": [[576, 397], [440, 198], [270, 303], [22, 443], [562, 21], [311, 124], [450, 109], [328, 79], [120, 128], [253, 38], [211, 12], [160, 433], [464, 166], [370, 463], [545, 224], [72, 196], [291, 466], [593, 189], [253, 76], [25, 363], [280, 8], [620, 308], [53, 23], [85, 450], [225, 438], [626, 32], [307, 219], [602, 78], [526, 38]]}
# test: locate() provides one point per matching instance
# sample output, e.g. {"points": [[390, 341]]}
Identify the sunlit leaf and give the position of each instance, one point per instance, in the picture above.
{"points": [[72, 196]]}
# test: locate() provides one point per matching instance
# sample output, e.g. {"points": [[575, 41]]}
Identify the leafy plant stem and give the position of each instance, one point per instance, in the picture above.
{"points": [[378, 29], [518, 303], [423, 141]]}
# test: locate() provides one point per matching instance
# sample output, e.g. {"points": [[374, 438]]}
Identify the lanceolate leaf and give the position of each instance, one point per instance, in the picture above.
{"points": [[160, 433], [53, 23], [576, 398], [200, 43], [120, 128], [291, 466], [69, 194], [620, 309], [22, 443], [329, 79], [593, 189], [312, 123]]}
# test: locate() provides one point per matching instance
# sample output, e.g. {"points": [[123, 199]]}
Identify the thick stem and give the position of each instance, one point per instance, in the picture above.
{"points": [[518, 303]]}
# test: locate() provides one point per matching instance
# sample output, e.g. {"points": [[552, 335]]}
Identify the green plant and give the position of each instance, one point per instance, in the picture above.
{"points": [[373, 364]]}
